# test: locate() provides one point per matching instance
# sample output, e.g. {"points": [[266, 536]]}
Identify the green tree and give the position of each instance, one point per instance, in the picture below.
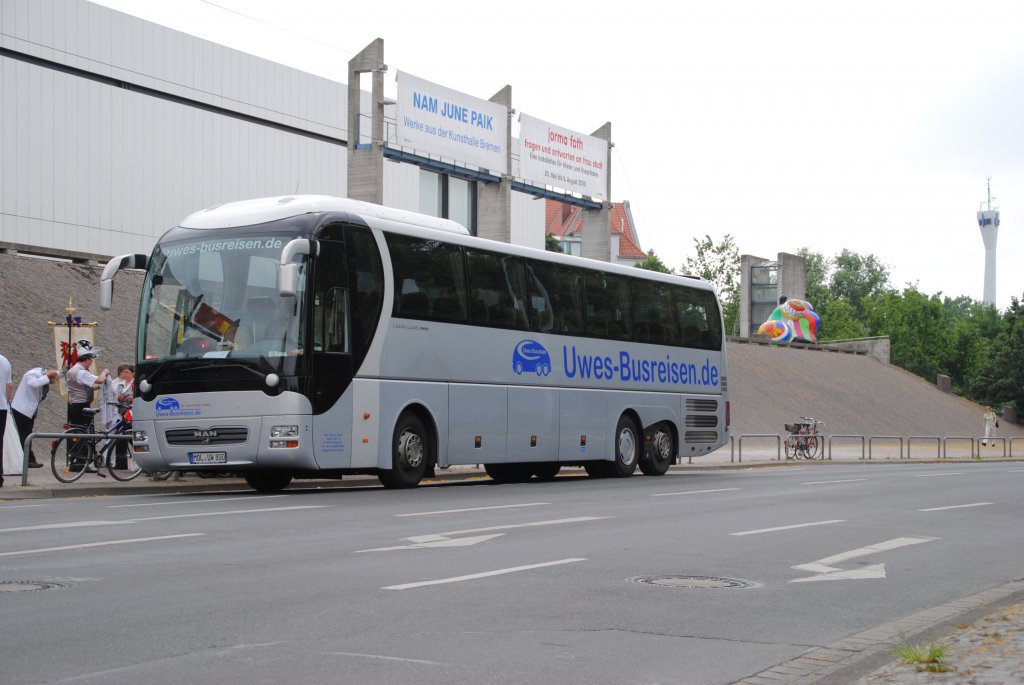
{"points": [[919, 330], [816, 268], [839, 321], [652, 262], [719, 263], [855, 276], [1001, 380], [551, 243]]}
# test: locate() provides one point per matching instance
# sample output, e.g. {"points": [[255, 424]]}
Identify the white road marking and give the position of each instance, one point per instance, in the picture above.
{"points": [[225, 513], [553, 522], [99, 544], [22, 506], [825, 570], [389, 658], [932, 475], [475, 576], [692, 492], [798, 525], [86, 524], [66, 524], [444, 539], [459, 511], [827, 482], [439, 542], [958, 506], [190, 501]]}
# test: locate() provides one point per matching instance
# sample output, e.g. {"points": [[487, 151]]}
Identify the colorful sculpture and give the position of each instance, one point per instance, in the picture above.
{"points": [[792, 320]]}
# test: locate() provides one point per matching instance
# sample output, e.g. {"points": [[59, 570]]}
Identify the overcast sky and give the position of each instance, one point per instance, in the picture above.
{"points": [[870, 125]]}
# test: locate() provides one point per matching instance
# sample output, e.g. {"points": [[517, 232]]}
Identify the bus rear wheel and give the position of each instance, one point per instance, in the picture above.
{"points": [[267, 481], [411, 452], [659, 454]]}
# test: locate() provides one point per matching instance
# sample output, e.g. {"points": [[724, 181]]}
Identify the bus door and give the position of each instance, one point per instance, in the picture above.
{"points": [[348, 286], [331, 368]]}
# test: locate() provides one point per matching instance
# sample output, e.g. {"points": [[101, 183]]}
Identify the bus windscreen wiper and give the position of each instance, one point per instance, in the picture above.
{"points": [[255, 372]]}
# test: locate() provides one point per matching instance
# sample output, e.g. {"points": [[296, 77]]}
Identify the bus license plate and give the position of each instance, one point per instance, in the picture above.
{"points": [[207, 457]]}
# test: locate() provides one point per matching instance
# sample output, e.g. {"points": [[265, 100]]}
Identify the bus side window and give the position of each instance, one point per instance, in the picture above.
{"points": [[335, 326]]}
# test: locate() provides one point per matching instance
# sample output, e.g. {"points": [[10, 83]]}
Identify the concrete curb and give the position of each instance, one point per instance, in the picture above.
{"points": [[856, 655]]}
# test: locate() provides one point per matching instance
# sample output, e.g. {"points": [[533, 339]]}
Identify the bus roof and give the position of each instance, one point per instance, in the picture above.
{"points": [[265, 209]]}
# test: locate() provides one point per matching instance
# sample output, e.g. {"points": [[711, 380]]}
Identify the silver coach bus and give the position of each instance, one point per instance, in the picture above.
{"points": [[317, 336]]}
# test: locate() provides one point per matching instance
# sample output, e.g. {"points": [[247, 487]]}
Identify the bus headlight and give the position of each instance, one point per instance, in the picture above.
{"points": [[284, 432], [138, 438]]}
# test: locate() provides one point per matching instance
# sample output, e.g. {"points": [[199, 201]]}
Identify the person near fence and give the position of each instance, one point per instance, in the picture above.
{"points": [[116, 392], [82, 385], [33, 388], [991, 423]]}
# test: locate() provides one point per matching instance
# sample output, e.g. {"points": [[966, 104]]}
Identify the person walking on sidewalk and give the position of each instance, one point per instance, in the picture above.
{"points": [[32, 390], [991, 423]]}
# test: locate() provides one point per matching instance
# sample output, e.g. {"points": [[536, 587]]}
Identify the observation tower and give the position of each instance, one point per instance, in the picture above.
{"points": [[988, 222]]}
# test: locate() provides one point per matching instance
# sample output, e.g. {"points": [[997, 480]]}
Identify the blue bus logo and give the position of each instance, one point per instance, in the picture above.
{"points": [[530, 355], [167, 404]]}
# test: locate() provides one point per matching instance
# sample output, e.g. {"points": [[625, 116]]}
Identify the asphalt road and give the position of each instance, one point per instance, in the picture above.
{"points": [[482, 583]]}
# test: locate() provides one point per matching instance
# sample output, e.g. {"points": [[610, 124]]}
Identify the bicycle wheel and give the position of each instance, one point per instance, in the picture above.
{"points": [[127, 470], [791, 446], [811, 448], [70, 455]]}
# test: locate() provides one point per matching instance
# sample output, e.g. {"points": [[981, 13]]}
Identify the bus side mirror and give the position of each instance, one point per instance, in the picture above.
{"points": [[128, 261], [288, 276]]}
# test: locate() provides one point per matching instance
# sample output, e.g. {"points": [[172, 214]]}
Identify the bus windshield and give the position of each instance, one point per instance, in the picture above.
{"points": [[218, 298]]}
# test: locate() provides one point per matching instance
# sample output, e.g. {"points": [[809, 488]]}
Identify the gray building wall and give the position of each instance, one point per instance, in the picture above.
{"points": [[92, 168]]}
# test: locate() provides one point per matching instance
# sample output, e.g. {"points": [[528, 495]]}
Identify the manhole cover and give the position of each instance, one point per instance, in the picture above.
{"points": [[28, 585], [704, 582]]}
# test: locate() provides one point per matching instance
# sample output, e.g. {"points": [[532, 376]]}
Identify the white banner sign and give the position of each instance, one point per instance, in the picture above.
{"points": [[436, 120], [550, 155]]}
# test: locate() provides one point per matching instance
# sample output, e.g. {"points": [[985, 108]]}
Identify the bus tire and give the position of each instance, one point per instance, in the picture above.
{"points": [[509, 473], [411, 452], [546, 470], [628, 444], [267, 481], [659, 454]]}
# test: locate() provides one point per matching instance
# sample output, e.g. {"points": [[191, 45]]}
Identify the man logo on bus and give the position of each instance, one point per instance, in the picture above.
{"points": [[530, 355]]}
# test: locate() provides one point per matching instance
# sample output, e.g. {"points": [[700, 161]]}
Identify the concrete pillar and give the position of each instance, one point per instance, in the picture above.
{"points": [[792, 276], [596, 231], [746, 262], [366, 129], [494, 200]]}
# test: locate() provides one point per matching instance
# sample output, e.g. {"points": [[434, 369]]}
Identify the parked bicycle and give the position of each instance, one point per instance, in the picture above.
{"points": [[805, 439], [79, 451]]}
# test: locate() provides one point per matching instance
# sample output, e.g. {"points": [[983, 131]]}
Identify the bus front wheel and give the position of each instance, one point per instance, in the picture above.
{"points": [[627, 448], [410, 453], [267, 481]]}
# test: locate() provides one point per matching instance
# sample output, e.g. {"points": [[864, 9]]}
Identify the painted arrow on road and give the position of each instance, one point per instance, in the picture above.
{"points": [[826, 571]]}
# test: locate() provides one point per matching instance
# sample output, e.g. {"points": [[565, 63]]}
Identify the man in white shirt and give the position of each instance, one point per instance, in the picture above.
{"points": [[81, 385], [5, 401], [32, 390]]}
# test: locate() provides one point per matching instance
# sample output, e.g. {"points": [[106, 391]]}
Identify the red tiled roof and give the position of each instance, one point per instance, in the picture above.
{"points": [[566, 220]]}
